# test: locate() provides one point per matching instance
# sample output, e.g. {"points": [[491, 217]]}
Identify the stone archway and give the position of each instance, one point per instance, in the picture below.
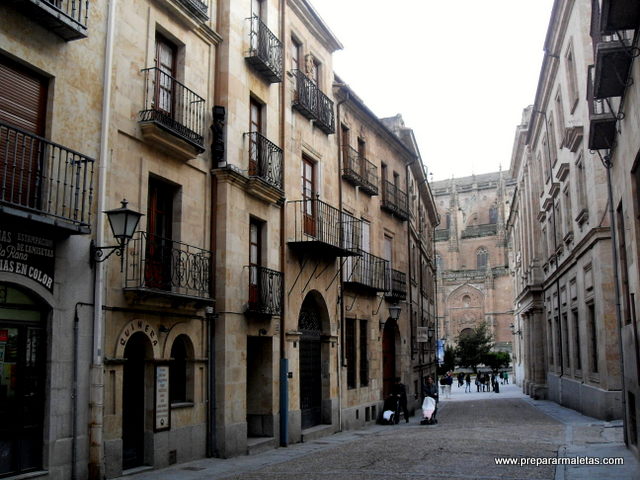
{"points": [[314, 388]]}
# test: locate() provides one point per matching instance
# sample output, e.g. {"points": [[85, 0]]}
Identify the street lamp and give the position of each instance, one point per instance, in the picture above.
{"points": [[394, 314], [123, 222]]}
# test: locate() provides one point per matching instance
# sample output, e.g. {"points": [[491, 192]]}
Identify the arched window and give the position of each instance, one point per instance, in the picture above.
{"points": [[466, 301], [482, 258], [179, 372], [493, 215]]}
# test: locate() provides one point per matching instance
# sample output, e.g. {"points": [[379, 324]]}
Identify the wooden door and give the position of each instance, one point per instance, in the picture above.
{"points": [[165, 75], [309, 203], [254, 263], [255, 128], [159, 248]]}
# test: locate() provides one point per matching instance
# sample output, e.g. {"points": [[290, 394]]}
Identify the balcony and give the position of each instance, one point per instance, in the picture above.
{"points": [[44, 181], [309, 100], [602, 119], [484, 230], [394, 201], [322, 229], [265, 51], [367, 272], [442, 235], [265, 291], [359, 171], [161, 267], [613, 58], [66, 18], [196, 8], [619, 15], [398, 287], [173, 115], [265, 160]]}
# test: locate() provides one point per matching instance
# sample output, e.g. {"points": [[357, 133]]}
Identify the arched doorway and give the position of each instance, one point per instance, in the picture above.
{"points": [[388, 357], [137, 351], [23, 347], [310, 326]]}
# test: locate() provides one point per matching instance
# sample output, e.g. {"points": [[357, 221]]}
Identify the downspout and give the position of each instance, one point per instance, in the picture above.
{"points": [[284, 361], [340, 263], [96, 447], [409, 287]]}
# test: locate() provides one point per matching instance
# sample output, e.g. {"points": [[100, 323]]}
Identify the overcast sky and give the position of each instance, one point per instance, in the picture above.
{"points": [[459, 71]]}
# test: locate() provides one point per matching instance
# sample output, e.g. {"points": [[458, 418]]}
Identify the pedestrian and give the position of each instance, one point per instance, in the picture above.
{"points": [[501, 375], [449, 383], [400, 391], [460, 379], [487, 383], [430, 389], [506, 378], [477, 383], [467, 381], [443, 385]]}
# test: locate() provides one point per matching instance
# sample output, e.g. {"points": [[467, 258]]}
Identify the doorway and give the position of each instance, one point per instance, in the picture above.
{"points": [[310, 326], [23, 347], [133, 401], [388, 357], [260, 387]]}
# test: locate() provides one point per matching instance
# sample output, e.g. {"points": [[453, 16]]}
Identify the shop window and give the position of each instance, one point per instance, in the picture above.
{"points": [[180, 375]]}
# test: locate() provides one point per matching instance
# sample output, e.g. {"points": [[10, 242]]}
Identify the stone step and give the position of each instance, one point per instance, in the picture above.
{"points": [[260, 444], [316, 432]]}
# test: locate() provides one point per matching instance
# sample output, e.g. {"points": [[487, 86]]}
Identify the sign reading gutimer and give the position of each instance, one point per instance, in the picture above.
{"points": [[24, 253]]}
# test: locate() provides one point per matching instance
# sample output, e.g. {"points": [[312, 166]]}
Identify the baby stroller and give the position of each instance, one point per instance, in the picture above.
{"points": [[390, 410], [428, 411]]}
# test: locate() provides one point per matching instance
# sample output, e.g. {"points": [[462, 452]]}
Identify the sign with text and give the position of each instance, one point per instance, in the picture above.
{"points": [[422, 334], [163, 406], [26, 253]]}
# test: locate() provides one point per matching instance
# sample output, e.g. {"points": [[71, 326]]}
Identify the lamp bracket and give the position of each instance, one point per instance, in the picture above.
{"points": [[97, 254]]}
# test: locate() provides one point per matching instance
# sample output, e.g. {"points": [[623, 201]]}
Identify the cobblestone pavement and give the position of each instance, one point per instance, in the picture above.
{"points": [[473, 430]]}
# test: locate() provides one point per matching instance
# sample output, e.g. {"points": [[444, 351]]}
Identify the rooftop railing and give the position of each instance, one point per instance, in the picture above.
{"points": [[45, 177]]}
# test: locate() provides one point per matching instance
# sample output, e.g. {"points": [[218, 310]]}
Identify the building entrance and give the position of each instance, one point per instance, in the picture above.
{"points": [[23, 348], [310, 366]]}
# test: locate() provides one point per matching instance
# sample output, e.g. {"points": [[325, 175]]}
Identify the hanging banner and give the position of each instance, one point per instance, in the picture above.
{"points": [[26, 253], [440, 352]]}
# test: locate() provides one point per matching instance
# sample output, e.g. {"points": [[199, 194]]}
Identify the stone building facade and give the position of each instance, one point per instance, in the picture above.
{"points": [[283, 224], [474, 285], [567, 333]]}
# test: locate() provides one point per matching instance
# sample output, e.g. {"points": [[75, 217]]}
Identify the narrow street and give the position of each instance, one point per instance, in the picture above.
{"points": [[473, 430]]}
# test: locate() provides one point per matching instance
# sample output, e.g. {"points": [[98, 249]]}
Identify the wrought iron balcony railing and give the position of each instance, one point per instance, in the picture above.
{"points": [[265, 159], [484, 230], [398, 284], [265, 291], [173, 107], [66, 18], [167, 267], [616, 15], [45, 178], [602, 118], [367, 271], [359, 171], [309, 100], [265, 53], [394, 200], [318, 224], [197, 8], [613, 57]]}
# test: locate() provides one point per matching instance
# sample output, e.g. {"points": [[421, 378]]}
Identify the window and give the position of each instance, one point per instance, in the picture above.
{"points": [[166, 73], [550, 341], [546, 159], [560, 117], [256, 8], [540, 163], [346, 143], [255, 127], [557, 211], [568, 216], [159, 234], [576, 340], [364, 359], [552, 141], [566, 359], [350, 352], [179, 375], [545, 247], [482, 258], [624, 267], [296, 52], [308, 194], [439, 263], [558, 342], [255, 260], [362, 154], [493, 215], [593, 334], [572, 79], [387, 254], [581, 187]]}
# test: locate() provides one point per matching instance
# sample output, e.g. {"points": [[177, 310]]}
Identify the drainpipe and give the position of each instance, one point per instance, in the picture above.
{"points": [[284, 361], [96, 447], [340, 263]]}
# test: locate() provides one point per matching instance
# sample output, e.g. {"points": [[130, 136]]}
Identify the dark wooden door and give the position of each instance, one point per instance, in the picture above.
{"points": [[310, 368], [254, 264], [23, 100], [255, 128], [159, 248], [388, 357], [133, 403]]}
